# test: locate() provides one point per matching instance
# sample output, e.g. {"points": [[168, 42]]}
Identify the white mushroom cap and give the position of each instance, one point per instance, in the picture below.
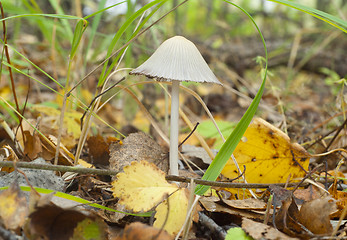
{"points": [[177, 59]]}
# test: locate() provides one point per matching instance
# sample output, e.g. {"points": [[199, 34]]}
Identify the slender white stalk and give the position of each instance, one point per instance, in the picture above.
{"points": [[174, 128]]}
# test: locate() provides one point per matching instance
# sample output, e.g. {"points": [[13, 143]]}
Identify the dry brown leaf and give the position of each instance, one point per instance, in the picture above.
{"points": [[341, 199], [212, 204], [310, 193], [55, 223], [286, 218], [137, 230], [314, 215], [262, 231], [249, 204], [137, 147], [98, 151], [32, 145]]}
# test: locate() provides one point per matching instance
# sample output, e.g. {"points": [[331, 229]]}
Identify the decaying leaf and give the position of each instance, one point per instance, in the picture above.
{"points": [[137, 230], [136, 147], [249, 204], [99, 149], [32, 145], [262, 231], [341, 199], [314, 215], [268, 155], [55, 223], [286, 218], [213, 204], [90, 229], [13, 207], [141, 186]]}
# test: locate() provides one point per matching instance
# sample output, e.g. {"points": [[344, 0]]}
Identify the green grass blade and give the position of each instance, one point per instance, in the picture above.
{"points": [[326, 17], [144, 21], [69, 17], [58, 9], [79, 30], [120, 32], [230, 144]]}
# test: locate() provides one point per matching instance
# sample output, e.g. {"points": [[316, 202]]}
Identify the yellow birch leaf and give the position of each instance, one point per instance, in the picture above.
{"points": [[141, 186], [268, 155], [172, 212]]}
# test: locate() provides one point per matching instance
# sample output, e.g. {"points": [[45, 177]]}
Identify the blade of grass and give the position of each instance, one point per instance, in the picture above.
{"points": [[232, 141], [326, 17], [58, 9], [118, 35]]}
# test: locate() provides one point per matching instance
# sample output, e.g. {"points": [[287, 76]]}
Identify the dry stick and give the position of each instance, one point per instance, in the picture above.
{"points": [[336, 134], [97, 96], [83, 170], [10, 69]]}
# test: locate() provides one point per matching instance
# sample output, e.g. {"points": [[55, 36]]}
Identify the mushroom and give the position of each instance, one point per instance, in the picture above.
{"points": [[177, 59]]}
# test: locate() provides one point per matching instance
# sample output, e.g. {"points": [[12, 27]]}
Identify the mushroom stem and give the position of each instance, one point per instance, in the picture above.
{"points": [[174, 128]]}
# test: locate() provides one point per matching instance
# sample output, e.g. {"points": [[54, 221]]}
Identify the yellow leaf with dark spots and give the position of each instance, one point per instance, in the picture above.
{"points": [[268, 155]]}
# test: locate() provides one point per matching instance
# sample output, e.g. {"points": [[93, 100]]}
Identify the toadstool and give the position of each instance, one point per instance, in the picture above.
{"points": [[177, 59]]}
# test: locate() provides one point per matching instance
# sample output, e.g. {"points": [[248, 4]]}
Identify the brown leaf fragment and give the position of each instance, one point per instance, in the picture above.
{"points": [[286, 218], [314, 215], [13, 207], [32, 145], [248, 203], [98, 150], [341, 199], [212, 204], [310, 193], [137, 230], [262, 231], [54, 223], [136, 147]]}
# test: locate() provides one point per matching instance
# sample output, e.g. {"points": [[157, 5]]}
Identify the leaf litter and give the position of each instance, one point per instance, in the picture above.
{"points": [[267, 153]]}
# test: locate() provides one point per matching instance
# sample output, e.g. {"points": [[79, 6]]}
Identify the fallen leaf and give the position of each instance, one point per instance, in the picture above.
{"points": [[71, 118], [314, 215], [268, 155], [137, 230], [286, 218], [213, 204], [13, 207], [136, 147], [172, 213], [98, 151], [90, 229], [249, 204], [141, 186], [55, 223], [260, 231], [32, 145], [341, 199]]}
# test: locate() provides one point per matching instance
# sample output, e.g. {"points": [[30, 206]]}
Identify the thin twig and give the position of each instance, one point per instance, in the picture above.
{"points": [[84, 170]]}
